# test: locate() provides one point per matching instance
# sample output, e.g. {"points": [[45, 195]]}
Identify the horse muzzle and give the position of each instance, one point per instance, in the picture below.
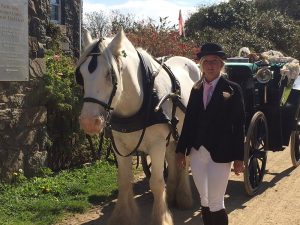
{"points": [[92, 125]]}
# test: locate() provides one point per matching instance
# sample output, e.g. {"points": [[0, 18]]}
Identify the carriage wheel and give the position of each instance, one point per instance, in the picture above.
{"points": [[255, 157], [295, 147], [146, 164], [295, 142]]}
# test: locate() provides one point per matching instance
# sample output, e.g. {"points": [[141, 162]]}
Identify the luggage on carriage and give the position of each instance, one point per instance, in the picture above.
{"points": [[272, 95]]}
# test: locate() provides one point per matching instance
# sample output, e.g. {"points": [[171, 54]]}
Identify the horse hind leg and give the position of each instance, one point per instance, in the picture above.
{"points": [[160, 212], [179, 191], [172, 179], [126, 210]]}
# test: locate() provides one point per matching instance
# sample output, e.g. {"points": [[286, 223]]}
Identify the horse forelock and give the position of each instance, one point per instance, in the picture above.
{"points": [[102, 46]]}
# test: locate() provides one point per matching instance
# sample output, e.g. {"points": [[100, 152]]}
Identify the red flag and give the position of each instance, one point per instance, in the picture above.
{"points": [[181, 24]]}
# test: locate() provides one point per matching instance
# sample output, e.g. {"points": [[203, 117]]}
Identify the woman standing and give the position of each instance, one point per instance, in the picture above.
{"points": [[213, 133]]}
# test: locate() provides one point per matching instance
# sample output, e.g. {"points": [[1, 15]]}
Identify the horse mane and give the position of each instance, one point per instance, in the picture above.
{"points": [[140, 49]]}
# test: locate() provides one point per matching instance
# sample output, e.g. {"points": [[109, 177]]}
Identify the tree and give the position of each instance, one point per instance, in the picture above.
{"points": [[103, 24], [255, 24], [291, 7], [158, 39], [97, 23]]}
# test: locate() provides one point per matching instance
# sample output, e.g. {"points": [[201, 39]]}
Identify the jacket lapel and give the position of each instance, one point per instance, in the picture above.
{"points": [[201, 104]]}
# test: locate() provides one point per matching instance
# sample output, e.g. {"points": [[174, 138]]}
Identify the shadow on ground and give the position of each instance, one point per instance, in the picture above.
{"points": [[236, 198]]}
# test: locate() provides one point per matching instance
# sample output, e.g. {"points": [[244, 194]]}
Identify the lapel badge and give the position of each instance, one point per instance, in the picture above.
{"points": [[227, 95]]}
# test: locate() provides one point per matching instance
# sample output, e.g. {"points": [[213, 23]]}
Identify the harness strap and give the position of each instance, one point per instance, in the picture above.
{"points": [[176, 103], [93, 100], [108, 129], [108, 134]]}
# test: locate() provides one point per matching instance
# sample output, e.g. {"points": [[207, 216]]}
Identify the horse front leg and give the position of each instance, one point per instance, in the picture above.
{"points": [[160, 212], [179, 191], [126, 210]]}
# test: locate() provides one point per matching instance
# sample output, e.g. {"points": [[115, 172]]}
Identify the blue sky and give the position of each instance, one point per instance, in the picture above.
{"points": [[154, 9]]}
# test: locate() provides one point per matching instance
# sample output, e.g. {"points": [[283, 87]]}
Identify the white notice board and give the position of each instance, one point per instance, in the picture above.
{"points": [[14, 60]]}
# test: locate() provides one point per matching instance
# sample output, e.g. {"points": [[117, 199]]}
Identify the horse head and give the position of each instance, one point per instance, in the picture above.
{"points": [[100, 70]]}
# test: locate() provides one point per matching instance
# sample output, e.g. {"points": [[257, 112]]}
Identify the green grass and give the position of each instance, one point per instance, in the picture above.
{"points": [[44, 200]]}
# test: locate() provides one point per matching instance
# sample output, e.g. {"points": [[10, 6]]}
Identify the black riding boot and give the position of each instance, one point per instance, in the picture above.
{"points": [[206, 216], [219, 218]]}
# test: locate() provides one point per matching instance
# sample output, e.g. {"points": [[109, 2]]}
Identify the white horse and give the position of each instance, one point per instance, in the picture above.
{"points": [[112, 77]]}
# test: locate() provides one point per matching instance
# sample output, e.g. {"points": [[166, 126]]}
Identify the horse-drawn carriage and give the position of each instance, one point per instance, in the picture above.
{"points": [[272, 105], [272, 114], [122, 83]]}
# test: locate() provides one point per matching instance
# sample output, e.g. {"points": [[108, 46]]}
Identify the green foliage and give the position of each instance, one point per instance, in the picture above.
{"points": [[291, 7], [259, 25], [281, 30], [43, 201], [63, 101], [233, 39], [222, 16], [62, 92]]}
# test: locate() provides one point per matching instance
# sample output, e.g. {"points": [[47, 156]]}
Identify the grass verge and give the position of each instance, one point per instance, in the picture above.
{"points": [[44, 200]]}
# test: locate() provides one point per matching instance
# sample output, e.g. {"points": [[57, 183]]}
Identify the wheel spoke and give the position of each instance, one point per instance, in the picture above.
{"points": [[253, 172], [256, 164]]}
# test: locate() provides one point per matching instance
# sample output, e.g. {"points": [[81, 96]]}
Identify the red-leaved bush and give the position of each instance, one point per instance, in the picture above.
{"points": [[161, 41]]}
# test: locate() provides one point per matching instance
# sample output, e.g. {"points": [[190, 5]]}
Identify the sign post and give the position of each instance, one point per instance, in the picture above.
{"points": [[14, 60]]}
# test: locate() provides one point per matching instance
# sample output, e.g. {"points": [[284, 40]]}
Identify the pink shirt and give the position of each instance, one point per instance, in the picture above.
{"points": [[208, 90]]}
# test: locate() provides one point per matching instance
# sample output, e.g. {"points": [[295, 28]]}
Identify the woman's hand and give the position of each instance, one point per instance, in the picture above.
{"points": [[180, 159], [238, 167]]}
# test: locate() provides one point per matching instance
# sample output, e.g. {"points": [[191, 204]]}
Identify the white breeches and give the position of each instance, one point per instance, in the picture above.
{"points": [[210, 178]]}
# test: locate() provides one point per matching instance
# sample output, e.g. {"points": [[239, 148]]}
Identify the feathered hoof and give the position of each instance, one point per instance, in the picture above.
{"points": [[124, 217], [166, 220]]}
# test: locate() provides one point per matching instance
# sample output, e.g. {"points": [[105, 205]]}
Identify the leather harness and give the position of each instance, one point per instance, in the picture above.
{"points": [[150, 112]]}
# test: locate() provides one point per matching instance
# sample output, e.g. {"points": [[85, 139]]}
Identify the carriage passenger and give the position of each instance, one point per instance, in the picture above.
{"points": [[213, 133]]}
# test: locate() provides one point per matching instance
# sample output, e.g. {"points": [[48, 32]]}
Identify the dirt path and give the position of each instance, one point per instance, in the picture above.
{"points": [[277, 203]]}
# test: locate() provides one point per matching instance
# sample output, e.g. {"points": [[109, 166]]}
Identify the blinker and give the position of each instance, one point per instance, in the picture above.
{"points": [[92, 65]]}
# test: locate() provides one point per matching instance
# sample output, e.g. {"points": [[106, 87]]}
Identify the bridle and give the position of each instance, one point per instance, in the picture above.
{"points": [[95, 52]]}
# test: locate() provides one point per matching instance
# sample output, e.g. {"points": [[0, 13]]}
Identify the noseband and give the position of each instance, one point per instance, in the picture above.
{"points": [[92, 67]]}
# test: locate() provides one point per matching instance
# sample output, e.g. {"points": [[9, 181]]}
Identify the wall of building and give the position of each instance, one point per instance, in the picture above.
{"points": [[23, 115]]}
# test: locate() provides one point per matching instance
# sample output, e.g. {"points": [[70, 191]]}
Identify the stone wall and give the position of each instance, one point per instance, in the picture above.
{"points": [[23, 115], [72, 22]]}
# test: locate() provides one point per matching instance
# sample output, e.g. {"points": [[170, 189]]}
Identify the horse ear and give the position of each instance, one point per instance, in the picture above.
{"points": [[86, 38], [118, 42]]}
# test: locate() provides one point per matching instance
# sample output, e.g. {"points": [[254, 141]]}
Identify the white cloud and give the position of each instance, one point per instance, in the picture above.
{"points": [[143, 9]]}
